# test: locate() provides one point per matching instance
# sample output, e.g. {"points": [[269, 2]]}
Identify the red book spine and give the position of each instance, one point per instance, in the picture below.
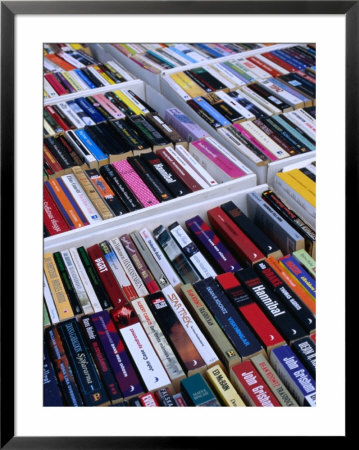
{"points": [[55, 84], [184, 176], [280, 62], [51, 161], [234, 236], [108, 279], [264, 66], [56, 117], [148, 399], [53, 220], [254, 385]]}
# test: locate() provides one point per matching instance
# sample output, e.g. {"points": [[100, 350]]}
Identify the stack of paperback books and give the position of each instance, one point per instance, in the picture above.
{"points": [[71, 68]]}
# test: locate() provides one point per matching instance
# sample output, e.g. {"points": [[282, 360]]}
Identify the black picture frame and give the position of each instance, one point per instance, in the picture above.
{"points": [[9, 9]]}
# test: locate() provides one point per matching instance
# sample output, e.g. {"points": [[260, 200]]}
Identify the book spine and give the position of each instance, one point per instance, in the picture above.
{"points": [[57, 289], [117, 355], [256, 143], [305, 349], [190, 249], [62, 367], [179, 261], [106, 276], [83, 367], [196, 392], [274, 382], [251, 386], [159, 342], [148, 400], [197, 337], [302, 276], [203, 174], [160, 257], [128, 267], [234, 236], [306, 261], [139, 263], [223, 387], [151, 263], [294, 375], [53, 220], [52, 395], [223, 347], [213, 246], [50, 304], [96, 305], [118, 271]]}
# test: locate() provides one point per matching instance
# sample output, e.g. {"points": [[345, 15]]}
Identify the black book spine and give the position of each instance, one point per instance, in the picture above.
{"points": [[59, 152]]}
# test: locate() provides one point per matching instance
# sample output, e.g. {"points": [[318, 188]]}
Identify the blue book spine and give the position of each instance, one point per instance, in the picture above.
{"points": [[160, 57], [59, 205], [294, 132], [85, 79], [72, 201], [211, 111], [183, 54], [52, 391], [90, 145], [289, 89], [307, 281], [210, 50], [288, 59], [294, 375], [90, 110]]}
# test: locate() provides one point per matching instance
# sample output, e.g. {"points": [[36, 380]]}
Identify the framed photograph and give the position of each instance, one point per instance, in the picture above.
{"points": [[25, 27]]}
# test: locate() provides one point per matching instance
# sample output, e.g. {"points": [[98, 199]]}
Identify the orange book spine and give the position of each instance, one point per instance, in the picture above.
{"points": [[298, 290], [66, 203], [60, 62]]}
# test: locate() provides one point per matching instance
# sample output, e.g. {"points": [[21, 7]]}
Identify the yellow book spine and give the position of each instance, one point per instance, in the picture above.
{"points": [[298, 187], [223, 387], [303, 179], [187, 84], [61, 300], [72, 81], [128, 102], [104, 75]]}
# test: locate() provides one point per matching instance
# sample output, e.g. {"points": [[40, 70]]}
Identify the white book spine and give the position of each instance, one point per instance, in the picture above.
{"points": [[85, 280], [81, 198], [281, 93], [177, 88], [48, 128], [239, 108], [51, 66], [76, 281], [228, 154], [261, 100], [73, 61], [196, 166], [128, 267], [302, 123], [228, 74], [120, 70], [73, 117], [147, 362], [187, 167], [51, 308], [118, 271], [255, 103], [257, 72], [49, 89], [265, 140], [192, 329], [160, 257], [239, 145]]}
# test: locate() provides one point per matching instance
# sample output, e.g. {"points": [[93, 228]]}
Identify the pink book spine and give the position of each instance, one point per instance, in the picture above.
{"points": [[255, 142], [109, 106], [218, 158], [134, 182]]}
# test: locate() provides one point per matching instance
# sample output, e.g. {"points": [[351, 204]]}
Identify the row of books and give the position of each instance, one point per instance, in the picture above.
{"points": [[70, 68], [193, 289], [95, 130], [82, 197], [158, 57]]}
